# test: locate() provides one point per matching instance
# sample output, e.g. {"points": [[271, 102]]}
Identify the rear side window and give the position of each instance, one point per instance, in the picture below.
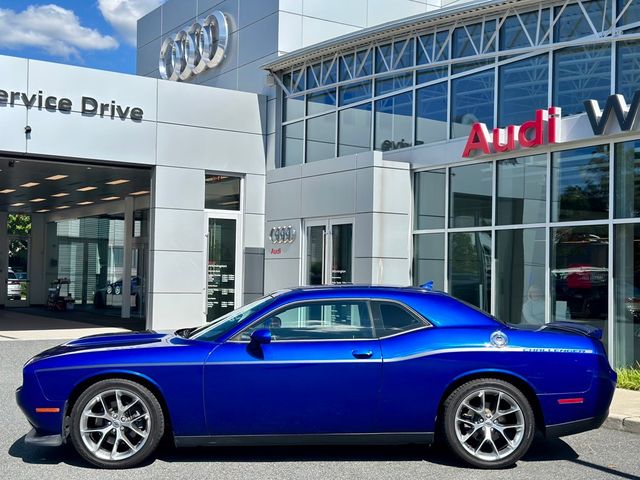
{"points": [[392, 318], [12, 276]]}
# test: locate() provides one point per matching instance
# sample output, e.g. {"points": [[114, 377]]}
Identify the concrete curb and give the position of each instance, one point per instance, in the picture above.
{"points": [[623, 423]]}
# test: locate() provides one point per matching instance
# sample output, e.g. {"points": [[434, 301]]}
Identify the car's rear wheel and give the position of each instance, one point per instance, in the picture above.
{"points": [[116, 423], [488, 423]]}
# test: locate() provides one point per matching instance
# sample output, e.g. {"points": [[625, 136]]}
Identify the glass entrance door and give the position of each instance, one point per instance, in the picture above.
{"points": [[329, 252], [18, 271], [223, 265]]}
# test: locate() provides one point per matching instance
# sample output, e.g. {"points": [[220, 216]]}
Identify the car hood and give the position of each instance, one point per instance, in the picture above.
{"points": [[107, 341]]}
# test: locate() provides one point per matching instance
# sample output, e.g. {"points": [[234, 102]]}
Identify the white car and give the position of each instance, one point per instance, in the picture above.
{"points": [[14, 289]]}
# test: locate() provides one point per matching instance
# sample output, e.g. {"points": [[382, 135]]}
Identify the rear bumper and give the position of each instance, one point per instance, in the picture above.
{"points": [[578, 426], [33, 438]]}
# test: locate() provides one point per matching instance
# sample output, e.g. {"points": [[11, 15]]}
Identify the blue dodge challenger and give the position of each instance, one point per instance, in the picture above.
{"points": [[323, 365]]}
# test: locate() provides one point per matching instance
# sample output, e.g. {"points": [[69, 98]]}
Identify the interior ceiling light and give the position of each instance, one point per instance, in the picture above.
{"points": [[118, 182], [37, 200], [19, 204], [108, 199], [44, 210], [29, 184], [7, 190], [141, 192], [57, 177], [61, 194], [85, 203], [87, 189], [62, 207]]}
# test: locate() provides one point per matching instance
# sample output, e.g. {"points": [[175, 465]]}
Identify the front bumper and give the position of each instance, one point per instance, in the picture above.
{"points": [[28, 398]]}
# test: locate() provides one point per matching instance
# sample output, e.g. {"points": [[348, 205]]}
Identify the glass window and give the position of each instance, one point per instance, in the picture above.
{"points": [[431, 74], [425, 48], [298, 83], [489, 41], [429, 191], [393, 319], [579, 275], [573, 24], [627, 171], [441, 51], [522, 189], [431, 113], [512, 35], [321, 138], [383, 58], [327, 320], [394, 119], [321, 102], [428, 259], [466, 40], [354, 130], [292, 146], [472, 102], [347, 67], [580, 184], [581, 73], [396, 82], [364, 63], [222, 193], [403, 53], [631, 14], [628, 68], [470, 268], [314, 76], [520, 276], [330, 71], [293, 108], [524, 88], [466, 66], [627, 295], [355, 92], [470, 195]]}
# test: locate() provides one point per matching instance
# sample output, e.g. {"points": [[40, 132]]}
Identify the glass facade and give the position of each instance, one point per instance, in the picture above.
{"points": [[534, 239], [430, 86]]}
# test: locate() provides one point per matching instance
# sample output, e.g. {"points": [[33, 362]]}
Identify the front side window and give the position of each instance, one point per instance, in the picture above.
{"points": [[326, 320], [393, 319]]}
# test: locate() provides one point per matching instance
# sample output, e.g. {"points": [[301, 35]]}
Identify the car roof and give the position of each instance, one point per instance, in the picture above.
{"points": [[354, 289]]}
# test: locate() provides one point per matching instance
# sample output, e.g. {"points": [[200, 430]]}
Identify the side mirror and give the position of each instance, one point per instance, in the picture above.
{"points": [[262, 336]]}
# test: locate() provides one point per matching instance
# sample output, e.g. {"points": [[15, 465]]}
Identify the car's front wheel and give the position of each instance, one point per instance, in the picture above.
{"points": [[488, 423], [116, 423]]}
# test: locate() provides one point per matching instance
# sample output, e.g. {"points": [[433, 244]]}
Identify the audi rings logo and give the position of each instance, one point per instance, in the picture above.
{"points": [[192, 52], [282, 235]]}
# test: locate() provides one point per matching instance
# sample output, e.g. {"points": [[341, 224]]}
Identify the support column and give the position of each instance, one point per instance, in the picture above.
{"points": [[37, 274], [126, 266], [4, 258]]}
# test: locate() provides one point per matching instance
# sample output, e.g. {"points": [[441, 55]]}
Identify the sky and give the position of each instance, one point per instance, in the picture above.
{"points": [[90, 33]]}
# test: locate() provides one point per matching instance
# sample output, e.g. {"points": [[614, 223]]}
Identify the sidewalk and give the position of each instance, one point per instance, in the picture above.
{"points": [[624, 413]]}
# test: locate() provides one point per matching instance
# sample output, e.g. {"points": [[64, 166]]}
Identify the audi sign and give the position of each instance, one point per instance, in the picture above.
{"points": [[193, 51]]}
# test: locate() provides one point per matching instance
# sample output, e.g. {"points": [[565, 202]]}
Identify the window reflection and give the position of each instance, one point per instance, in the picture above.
{"points": [[431, 113], [428, 260], [321, 137], [472, 102], [579, 275], [627, 295], [470, 268], [520, 276], [627, 170], [581, 73], [522, 190], [524, 88], [394, 119], [429, 199], [292, 146], [628, 68], [580, 188], [354, 130], [470, 195]]}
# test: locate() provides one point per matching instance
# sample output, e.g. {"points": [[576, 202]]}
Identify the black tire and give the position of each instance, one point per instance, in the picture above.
{"points": [[492, 387], [150, 403]]}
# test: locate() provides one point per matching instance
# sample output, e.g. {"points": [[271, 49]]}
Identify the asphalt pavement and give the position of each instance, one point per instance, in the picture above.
{"points": [[593, 455]]}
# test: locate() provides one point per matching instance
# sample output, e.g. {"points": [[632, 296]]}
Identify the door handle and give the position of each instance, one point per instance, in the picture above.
{"points": [[362, 353]]}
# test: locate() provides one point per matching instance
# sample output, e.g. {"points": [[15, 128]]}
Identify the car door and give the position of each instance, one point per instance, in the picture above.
{"points": [[320, 374], [408, 399]]}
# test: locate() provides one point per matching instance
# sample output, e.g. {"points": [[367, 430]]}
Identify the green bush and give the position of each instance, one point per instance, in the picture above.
{"points": [[629, 377]]}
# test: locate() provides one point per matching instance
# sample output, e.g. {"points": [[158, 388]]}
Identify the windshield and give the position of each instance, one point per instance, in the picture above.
{"points": [[213, 330]]}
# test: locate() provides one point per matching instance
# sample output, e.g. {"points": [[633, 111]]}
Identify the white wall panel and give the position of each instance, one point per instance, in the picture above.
{"points": [[189, 224], [178, 272], [177, 311], [178, 188]]}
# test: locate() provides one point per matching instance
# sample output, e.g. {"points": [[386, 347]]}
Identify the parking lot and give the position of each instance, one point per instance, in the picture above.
{"points": [[600, 454]]}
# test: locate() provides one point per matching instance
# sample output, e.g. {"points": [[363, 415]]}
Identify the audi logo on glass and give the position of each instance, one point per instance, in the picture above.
{"points": [[193, 51], [282, 235]]}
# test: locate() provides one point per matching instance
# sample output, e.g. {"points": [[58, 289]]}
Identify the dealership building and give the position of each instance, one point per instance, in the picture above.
{"points": [[491, 147]]}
